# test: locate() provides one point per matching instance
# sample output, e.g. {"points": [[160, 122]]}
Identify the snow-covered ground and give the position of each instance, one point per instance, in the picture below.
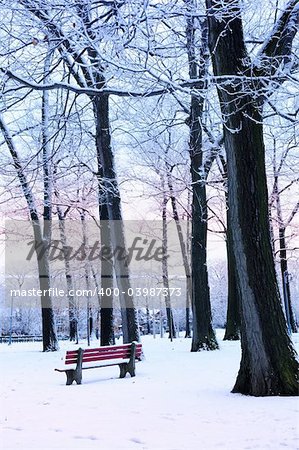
{"points": [[178, 400]]}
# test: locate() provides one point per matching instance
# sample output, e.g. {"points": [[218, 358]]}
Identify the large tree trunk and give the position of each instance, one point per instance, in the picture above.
{"points": [[268, 364], [121, 267], [50, 342], [203, 333], [106, 313]]}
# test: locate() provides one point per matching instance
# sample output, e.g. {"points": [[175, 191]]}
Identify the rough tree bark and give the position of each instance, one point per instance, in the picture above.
{"points": [[268, 363]]}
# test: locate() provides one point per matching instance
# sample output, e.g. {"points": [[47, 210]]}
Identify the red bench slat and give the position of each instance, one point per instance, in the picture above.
{"points": [[104, 349], [98, 358], [98, 353], [101, 358], [118, 353]]}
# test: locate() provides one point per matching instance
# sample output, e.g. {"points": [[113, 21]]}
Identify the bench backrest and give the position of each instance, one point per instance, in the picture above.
{"points": [[104, 353]]}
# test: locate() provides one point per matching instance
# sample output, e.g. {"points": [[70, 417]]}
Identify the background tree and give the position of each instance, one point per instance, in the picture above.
{"points": [[281, 187], [41, 235]]}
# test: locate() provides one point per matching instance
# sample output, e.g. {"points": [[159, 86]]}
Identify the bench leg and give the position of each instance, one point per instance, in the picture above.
{"points": [[123, 370], [131, 363], [70, 376], [78, 376], [130, 366], [131, 371], [75, 374]]}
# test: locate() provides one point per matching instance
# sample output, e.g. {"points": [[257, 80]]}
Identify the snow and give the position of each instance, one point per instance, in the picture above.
{"points": [[178, 400]]}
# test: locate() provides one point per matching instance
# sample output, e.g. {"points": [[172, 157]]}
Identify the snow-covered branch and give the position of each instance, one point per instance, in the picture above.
{"points": [[277, 49]]}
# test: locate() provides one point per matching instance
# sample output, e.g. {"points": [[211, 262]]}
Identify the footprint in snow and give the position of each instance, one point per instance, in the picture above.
{"points": [[91, 438], [136, 440]]}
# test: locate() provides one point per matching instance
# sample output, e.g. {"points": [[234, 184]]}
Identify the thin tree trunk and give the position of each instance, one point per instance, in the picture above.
{"points": [[165, 275], [148, 326], [186, 264], [268, 363], [285, 280], [283, 260], [73, 320], [89, 320], [106, 326], [98, 310], [188, 298]]}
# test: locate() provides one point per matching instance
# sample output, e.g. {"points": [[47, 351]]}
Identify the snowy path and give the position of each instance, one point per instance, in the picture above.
{"points": [[178, 400]]}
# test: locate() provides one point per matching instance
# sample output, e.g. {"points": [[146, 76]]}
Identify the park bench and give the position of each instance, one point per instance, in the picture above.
{"points": [[123, 356]]}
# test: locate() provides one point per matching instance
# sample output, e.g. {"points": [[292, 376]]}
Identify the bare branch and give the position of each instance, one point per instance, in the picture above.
{"points": [[292, 215]]}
